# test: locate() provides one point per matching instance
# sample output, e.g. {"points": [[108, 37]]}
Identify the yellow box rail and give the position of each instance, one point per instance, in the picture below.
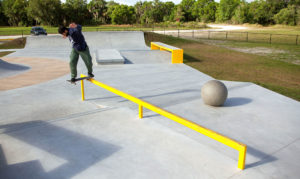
{"points": [[242, 148], [177, 53]]}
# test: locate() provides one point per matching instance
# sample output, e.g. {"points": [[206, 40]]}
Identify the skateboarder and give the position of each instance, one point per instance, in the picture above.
{"points": [[79, 47]]}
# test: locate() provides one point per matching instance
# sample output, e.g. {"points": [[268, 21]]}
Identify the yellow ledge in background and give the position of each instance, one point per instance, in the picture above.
{"points": [[177, 53]]}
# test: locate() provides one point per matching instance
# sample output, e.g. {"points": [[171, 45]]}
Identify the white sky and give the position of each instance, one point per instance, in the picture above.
{"points": [[132, 2]]}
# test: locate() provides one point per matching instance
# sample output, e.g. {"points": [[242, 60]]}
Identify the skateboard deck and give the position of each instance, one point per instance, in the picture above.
{"points": [[79, 79]]}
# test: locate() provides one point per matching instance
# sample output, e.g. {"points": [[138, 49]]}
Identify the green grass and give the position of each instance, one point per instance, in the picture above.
{"points": [[284, 52], [2, 54], [275, 29], [225, 64], [249, 36], [14, 44]]}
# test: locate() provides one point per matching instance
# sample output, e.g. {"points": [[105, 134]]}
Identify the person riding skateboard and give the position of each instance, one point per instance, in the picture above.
{"points": [[79, 47]]}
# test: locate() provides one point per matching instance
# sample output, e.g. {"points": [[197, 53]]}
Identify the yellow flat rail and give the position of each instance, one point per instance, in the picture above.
{"points": [[177, 54], [242, 148]]}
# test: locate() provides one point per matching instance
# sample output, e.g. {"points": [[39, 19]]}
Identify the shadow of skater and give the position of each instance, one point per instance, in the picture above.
{"points": [[236, 101], [80, 151]]}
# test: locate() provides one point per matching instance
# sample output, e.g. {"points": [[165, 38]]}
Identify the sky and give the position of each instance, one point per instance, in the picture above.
{"points": [[132, 2]]}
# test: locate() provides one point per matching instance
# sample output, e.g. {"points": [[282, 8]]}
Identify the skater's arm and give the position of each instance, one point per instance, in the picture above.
{"points": [[75, 27]]}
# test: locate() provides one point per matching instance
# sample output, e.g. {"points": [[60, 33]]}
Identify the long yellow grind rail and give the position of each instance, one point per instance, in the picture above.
{"points": [[242, 148]]}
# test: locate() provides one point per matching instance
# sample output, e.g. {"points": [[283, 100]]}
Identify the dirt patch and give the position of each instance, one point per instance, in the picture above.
{"points": [[41, 70], [258, 50]]}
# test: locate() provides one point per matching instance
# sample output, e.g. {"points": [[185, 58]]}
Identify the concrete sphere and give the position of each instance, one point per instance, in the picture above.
{"points": [[214, 93]]}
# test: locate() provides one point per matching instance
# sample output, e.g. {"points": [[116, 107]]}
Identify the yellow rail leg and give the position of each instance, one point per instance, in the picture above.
{"points": [[82, 90], [242, 158], [140, 111]]}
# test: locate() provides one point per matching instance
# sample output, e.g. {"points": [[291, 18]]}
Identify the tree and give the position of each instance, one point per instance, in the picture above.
{"points": [[241, 14], [3, 18], [178, 13], [76, 11], [123, 14], [187, 8], [46, 12], [98, 9], [226, 9], [287, 16], [111, 5], [15, 11], [205, 10], [260, 12], [169, 11], [294, 2]]}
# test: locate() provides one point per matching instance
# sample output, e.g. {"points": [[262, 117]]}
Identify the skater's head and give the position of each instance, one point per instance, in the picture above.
{"points": [[63, 31]]}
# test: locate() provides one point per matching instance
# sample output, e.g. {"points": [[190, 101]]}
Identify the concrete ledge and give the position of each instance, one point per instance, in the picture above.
{"points": [[108, 56]]}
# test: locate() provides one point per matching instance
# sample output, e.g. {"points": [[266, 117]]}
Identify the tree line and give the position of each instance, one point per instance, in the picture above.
{"points": [[98, 12]]}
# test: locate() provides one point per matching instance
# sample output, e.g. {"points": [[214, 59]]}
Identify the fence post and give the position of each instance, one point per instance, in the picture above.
{"points": [[193, 33], [247, 37], [270, 38], [297, 39], [226, 35]]}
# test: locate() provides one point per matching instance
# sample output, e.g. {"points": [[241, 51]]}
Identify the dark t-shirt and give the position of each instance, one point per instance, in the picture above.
{"points": [[77, 39]]}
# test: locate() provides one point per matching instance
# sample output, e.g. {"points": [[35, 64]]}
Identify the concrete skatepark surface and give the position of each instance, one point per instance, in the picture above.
{"points": [[46, 131]]}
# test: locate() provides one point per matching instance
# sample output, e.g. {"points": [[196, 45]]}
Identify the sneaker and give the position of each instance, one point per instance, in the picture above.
{"points": [[91, 75], [73, 80]]}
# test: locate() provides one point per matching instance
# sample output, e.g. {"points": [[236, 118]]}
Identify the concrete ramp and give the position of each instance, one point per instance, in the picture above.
{"points": [[95, 40], [46, 42], [128, 46], [116, 40]]}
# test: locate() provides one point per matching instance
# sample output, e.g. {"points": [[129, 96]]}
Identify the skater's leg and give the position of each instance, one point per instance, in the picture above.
{"points": [[86, 57], [73, 63]]}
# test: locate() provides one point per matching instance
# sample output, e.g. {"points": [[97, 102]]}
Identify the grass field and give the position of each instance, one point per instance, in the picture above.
{"points": [[226, 64], [282, 52], [14, 44], [2, 54], [274, 29]]}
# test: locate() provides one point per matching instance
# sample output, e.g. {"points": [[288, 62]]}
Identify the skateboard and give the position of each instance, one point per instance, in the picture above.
{"points": [[79, 79]]}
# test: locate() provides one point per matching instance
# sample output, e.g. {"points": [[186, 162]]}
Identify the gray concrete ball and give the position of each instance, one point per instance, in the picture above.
{"points": [[214, 93]]}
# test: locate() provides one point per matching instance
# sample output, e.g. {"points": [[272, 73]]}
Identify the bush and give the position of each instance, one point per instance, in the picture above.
{"points": [[287, 16]]}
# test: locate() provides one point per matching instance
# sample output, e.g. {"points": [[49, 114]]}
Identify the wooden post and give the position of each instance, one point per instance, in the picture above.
{"points": [[226, 35], [247, 37], [270, 38], [297, 39]]}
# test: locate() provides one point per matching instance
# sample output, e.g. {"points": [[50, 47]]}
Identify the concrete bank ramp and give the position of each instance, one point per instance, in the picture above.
{"points": [[129, 45], [96, 40], [10, 69]]}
